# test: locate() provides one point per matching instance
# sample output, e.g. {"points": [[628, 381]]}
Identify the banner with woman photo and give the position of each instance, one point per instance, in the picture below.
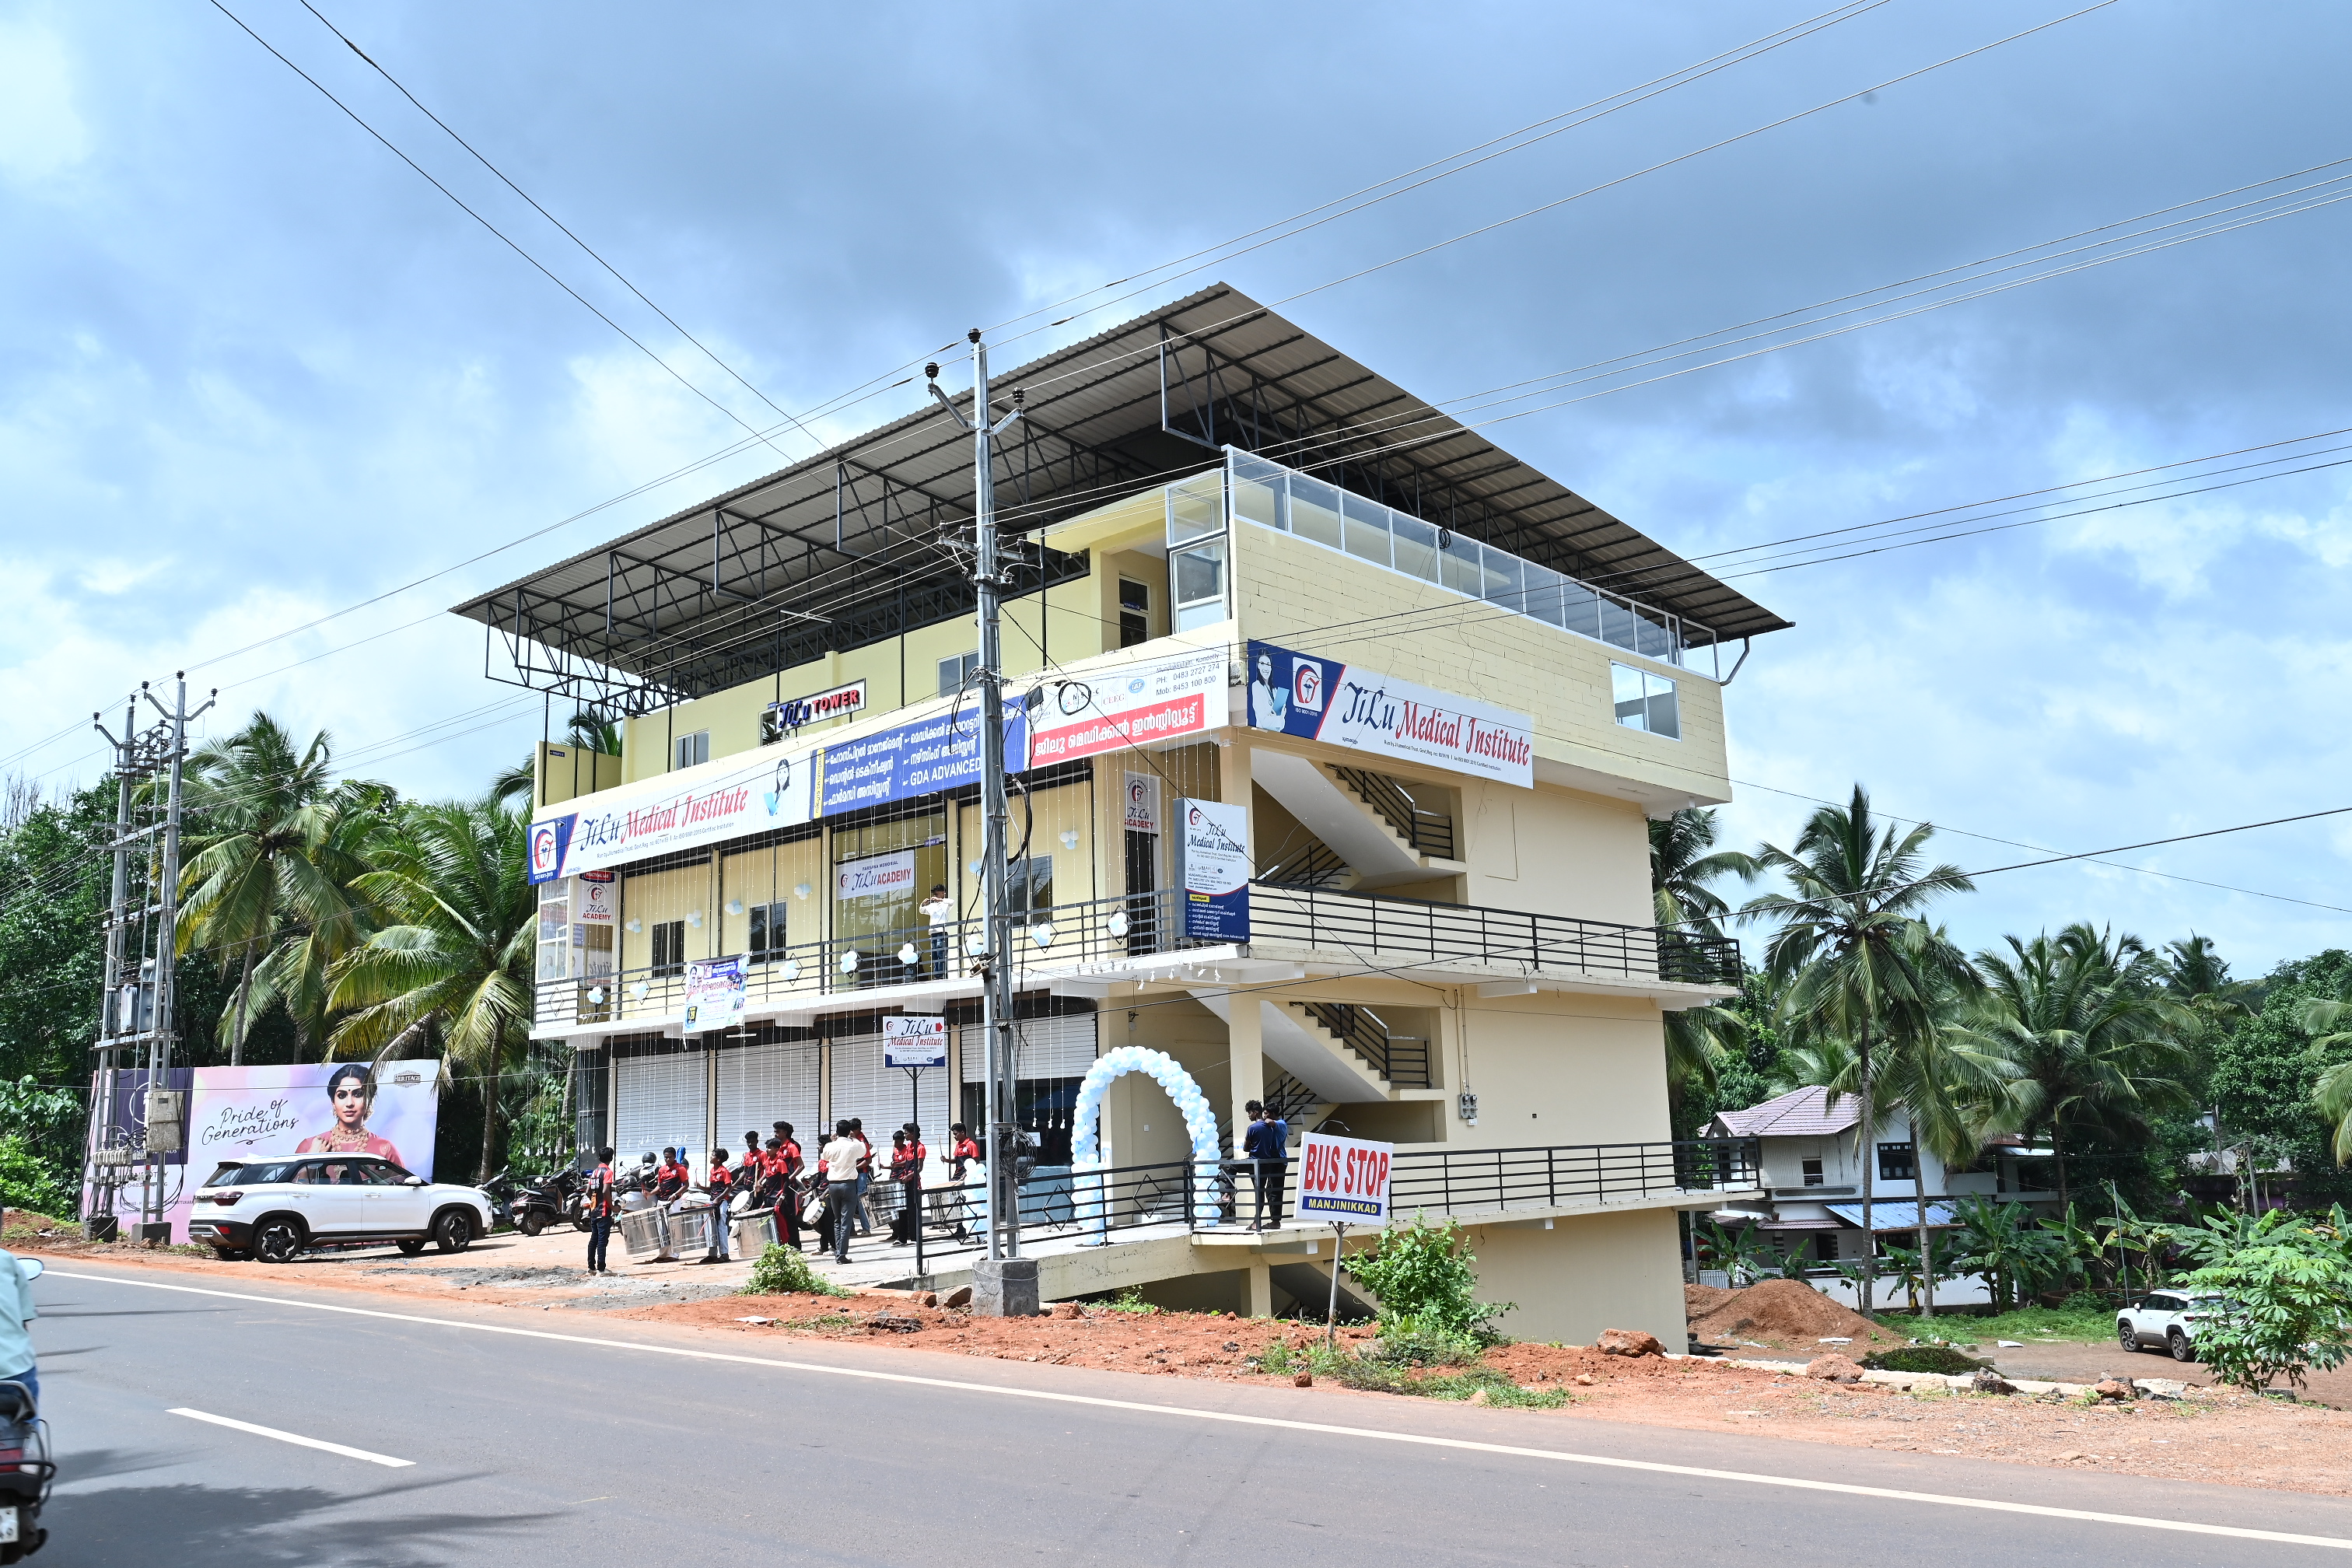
{"points": [[246, 1113]]}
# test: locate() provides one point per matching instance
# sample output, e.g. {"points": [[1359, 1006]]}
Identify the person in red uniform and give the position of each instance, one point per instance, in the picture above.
{"points": [[962, 1152], [720, 1186], [600, 1212], [907, 1157], [671, 1179], [789, 1165]]}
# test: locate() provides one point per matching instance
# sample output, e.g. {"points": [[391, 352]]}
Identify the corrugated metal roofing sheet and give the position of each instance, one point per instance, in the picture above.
{"points": [[842, 548]]}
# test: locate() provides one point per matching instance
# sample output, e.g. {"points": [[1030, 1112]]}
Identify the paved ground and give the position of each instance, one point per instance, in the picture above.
{"points": [[590, 1441]]}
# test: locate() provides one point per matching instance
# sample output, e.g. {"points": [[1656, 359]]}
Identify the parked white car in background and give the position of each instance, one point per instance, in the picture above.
{"points": [[2163, 1320], [277, 1210]]}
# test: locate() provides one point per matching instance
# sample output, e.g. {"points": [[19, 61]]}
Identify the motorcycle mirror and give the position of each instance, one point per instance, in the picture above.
{"points": [[30, 1268]]}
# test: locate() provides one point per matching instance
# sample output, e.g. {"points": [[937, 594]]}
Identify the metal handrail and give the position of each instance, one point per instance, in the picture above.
{"points": [[1429, 832], [1402, 1061], [1129, 925]]}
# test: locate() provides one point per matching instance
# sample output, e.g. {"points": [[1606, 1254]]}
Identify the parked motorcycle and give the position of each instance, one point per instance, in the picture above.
{"points": [[26, 1469], [501, 1190], [558, 1199]]}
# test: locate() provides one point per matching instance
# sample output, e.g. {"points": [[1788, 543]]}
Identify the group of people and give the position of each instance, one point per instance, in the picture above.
{"points": [[775, 1174]]}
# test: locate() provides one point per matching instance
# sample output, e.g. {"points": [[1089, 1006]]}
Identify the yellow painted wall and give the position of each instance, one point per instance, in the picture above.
{"points": [[564, 772], [1556, 851], [1587, 1274], [1287, 589], [1558, 1067]]}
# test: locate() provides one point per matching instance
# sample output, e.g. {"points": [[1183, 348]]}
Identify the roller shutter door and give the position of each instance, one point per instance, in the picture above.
{"points": [[1042, 1048], [862, 1087], [658, 1101], [759, 1085]]}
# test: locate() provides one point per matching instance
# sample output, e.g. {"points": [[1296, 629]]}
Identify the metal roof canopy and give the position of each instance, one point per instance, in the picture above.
{"points": [[845, 549]]}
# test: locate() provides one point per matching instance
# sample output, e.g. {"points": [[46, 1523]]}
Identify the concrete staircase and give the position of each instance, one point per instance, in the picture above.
{"points": [[1355, 814]]}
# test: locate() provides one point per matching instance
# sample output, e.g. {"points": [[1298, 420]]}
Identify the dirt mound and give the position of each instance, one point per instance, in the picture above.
{"points": [[1783, 1314], [30, 1220], [1698, 1301]]}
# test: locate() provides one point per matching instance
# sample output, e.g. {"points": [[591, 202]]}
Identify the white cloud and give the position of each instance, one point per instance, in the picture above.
{"points": [[41, 135]]}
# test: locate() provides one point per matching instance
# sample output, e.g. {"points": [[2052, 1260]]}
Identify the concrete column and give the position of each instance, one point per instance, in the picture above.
{"points": [[1260, 1290], [1246, 1062]]}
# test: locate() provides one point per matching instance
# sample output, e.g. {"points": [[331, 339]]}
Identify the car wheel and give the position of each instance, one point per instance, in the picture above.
{"points": [[2178, 1343], [532, 1223], [412, 1248], [2125, 1335], [453, 1231], [278, 1241]]}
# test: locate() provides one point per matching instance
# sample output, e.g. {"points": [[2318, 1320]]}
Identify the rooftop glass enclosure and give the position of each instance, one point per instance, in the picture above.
{"points": [[1249, 488]]}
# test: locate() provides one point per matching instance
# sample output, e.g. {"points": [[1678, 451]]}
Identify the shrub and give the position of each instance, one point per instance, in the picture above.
{"points": [[1423, 1273], [1939, 1359], [783, 1271], [2283, 1312], [1406, 1341]]}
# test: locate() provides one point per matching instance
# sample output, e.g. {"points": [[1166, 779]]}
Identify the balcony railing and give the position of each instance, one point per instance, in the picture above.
{"points": [[1370, 925], [1100, 932]]}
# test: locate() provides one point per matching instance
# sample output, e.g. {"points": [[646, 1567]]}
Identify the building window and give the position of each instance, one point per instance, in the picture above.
{"points": [[1134, 613], [1812, 1173], [1646, 701], [1896, 1163], [1029, 885], [767, 943], [1197, 579], [954, 672], [687, 750], [669, 947]]}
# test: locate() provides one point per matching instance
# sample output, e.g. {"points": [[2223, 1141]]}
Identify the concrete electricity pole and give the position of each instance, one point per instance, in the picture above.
{"points": [[141, 945], [1004, 1284]]}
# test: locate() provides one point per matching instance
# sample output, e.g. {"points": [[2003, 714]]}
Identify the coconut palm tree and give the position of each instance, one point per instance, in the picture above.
{"points": [[1861, 963], [455, 954], [2329, 1020], [2096, 1043], [273, 855], [1684, 867]]}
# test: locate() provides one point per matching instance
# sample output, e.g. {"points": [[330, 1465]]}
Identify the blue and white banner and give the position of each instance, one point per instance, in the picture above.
{"points": [[1215, 844], [701, 804], [1348, 705], [923, 758]]}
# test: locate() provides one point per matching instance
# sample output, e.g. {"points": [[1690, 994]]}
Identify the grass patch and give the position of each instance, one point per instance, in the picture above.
{"points": [[1130, 1301], [2026, 1324], [1940, 1359], [1353, 1370], [784, 1271], [826, 1321]]}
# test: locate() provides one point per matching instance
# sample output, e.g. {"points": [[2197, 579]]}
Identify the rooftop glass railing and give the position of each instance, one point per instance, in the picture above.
{"points": [[1272, 496]]}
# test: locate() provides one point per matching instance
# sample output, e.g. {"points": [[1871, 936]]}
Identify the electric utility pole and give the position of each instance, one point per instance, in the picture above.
{"points": [[997, 1289], [141, 946]]}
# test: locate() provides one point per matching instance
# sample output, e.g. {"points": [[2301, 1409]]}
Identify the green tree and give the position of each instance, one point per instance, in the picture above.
{"points": [[2266, 1071], [2096, 1043], [455, 954], [273, 850], [2328, 1020], [2001, 1242], [1861, 963], [1685, 866], [2281, 1310]]}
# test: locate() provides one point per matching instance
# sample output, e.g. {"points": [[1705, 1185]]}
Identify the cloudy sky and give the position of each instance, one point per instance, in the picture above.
{"points": [[255, 370]]}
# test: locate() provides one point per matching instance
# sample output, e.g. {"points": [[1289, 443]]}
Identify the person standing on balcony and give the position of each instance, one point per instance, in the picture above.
{"points": [[940, 911], [1267, 1145], [600, 1212], [840, 1158]]}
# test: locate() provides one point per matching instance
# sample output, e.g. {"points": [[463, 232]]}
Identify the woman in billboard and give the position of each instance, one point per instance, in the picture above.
{"points": [[351, 1091]]}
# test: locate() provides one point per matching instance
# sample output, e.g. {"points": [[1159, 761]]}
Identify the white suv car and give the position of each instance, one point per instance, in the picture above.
{"points": [[277, 1210], [2164, 1318]]}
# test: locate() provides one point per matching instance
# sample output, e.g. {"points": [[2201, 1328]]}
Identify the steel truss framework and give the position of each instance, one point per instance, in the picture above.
{"points": [[859, 545]]}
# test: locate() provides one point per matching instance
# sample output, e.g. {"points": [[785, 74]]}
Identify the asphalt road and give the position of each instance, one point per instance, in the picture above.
{"points": [[555, 1449]]}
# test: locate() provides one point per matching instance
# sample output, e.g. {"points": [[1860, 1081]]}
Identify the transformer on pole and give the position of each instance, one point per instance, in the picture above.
{"points": [[135, 1013]]}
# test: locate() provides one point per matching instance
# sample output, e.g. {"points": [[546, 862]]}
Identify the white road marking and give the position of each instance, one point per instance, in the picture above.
{"points": [[347, 1453], [1794, 1483]]}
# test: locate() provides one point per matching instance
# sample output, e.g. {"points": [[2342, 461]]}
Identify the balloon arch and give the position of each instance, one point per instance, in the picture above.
{"points": [[1086, 1142]]}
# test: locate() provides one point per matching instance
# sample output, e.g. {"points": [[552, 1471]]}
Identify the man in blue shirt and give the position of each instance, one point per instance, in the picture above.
{"points": [[17, 1310], [1267, 1145]]}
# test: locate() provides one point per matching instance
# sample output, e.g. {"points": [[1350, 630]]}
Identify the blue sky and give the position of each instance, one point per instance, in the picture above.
{"points": [[253, 369]]}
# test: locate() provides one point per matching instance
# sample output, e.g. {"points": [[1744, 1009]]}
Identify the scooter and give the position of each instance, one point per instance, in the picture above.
{"points": [[551, 1200], [26, 1469]]}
